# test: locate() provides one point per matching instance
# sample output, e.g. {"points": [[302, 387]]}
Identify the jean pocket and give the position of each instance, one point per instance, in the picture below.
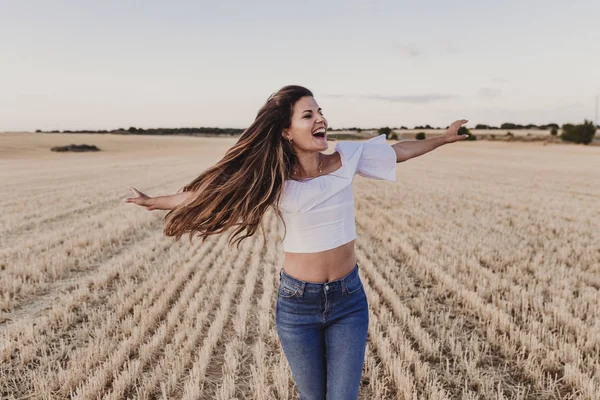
{"points": [[286, 291], [354, 286]]}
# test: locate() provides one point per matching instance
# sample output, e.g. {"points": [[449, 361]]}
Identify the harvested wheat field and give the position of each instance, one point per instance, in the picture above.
{"points": [[481, 266]]}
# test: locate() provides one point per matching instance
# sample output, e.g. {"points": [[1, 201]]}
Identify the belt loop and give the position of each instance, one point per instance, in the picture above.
{"points": [[280, 272]]}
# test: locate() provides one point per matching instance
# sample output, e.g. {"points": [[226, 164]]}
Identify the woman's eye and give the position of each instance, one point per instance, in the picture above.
{"points": [[308, 115]]}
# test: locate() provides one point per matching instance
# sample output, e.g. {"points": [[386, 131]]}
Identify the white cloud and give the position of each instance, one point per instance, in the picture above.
{"points": [[489, 92], [406, 51], [422, 98], [449, 47]]}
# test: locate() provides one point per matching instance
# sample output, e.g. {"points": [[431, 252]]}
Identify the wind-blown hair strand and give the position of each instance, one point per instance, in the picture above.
{"points": [[238, 190]]}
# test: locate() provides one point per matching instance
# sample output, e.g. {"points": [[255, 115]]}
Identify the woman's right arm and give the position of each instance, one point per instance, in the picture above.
{"points": [[167, 202], [157, 203]]}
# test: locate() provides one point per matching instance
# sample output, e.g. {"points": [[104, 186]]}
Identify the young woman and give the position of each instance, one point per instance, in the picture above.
{"points": [[322, 311]]}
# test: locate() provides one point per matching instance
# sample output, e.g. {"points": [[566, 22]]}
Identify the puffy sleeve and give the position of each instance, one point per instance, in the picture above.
{"points": [[377, 159]]}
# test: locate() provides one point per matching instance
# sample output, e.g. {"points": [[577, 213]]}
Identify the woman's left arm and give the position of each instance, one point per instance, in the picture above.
{"points": [[408, 149]]}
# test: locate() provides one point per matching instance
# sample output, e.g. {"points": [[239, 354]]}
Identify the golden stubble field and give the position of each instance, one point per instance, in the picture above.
{"points": [[481, 266]]}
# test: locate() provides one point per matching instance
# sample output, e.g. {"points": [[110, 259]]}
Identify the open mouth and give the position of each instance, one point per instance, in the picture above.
{"points": [[320, 133]]}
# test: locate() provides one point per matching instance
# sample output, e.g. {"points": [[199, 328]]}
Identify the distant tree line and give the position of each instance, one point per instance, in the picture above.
{"points": [[158, 131], [510, 125], [506, 125], [581, 133], [234, 131]]}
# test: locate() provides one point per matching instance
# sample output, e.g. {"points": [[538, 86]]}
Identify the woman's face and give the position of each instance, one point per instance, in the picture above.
{"points": [[307, 120]]}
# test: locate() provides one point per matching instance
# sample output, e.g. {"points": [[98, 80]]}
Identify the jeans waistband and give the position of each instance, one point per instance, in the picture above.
{"points": [[310, 287]]}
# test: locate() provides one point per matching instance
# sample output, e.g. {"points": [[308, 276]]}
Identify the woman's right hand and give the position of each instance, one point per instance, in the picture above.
{"points": [[141, 199]]}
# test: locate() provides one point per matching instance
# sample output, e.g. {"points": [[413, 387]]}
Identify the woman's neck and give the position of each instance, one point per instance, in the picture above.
{"points": [[308, 166]]}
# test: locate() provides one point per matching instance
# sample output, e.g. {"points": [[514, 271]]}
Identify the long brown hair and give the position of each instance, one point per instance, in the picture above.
{"points": [[238, 190]]}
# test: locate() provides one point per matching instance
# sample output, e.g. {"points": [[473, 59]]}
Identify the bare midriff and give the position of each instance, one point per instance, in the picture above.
{"points": [[323, 266]]}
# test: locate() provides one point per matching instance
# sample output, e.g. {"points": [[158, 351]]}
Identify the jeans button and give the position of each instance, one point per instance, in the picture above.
{"points": [[326, 287]]}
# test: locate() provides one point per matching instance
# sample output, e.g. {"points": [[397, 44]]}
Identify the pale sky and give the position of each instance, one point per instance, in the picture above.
{"points": [[103, 64]]}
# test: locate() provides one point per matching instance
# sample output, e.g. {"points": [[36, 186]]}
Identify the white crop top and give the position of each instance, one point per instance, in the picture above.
{"points": [[319, 212]]}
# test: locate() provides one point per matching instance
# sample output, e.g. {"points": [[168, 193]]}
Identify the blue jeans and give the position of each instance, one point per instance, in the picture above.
{"points": [[322, 329]]}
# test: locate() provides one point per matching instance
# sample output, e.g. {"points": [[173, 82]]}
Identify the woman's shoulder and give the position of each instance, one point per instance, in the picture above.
{"points": [[349, 147], [350, 150]]}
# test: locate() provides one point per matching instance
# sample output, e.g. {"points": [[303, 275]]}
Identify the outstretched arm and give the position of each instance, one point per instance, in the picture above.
{"points": [[157, 203], [168, 202], [408, 149]]}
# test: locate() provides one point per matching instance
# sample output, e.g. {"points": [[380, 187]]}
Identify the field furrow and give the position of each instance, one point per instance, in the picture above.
{"points": [[187, 308], [452, 349], [528, 353], [248, 322], [469, 273], [194, 382], [375, 377], [134, 334], [536, 272], [162, 376], [76, 201], [30, 273], [420, 350], [68, 215], [83, 320]]}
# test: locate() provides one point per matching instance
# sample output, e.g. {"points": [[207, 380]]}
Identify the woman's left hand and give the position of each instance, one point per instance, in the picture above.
{"points": [[451, 134]]}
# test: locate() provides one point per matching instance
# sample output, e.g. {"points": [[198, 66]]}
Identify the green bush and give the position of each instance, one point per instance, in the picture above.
{"points": [[385, 131], [463, 130], [554, 131], [420, 136], [582, 133]]}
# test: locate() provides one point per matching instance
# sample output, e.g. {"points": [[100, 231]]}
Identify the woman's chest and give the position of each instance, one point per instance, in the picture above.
{"points": [[301, 198]]}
